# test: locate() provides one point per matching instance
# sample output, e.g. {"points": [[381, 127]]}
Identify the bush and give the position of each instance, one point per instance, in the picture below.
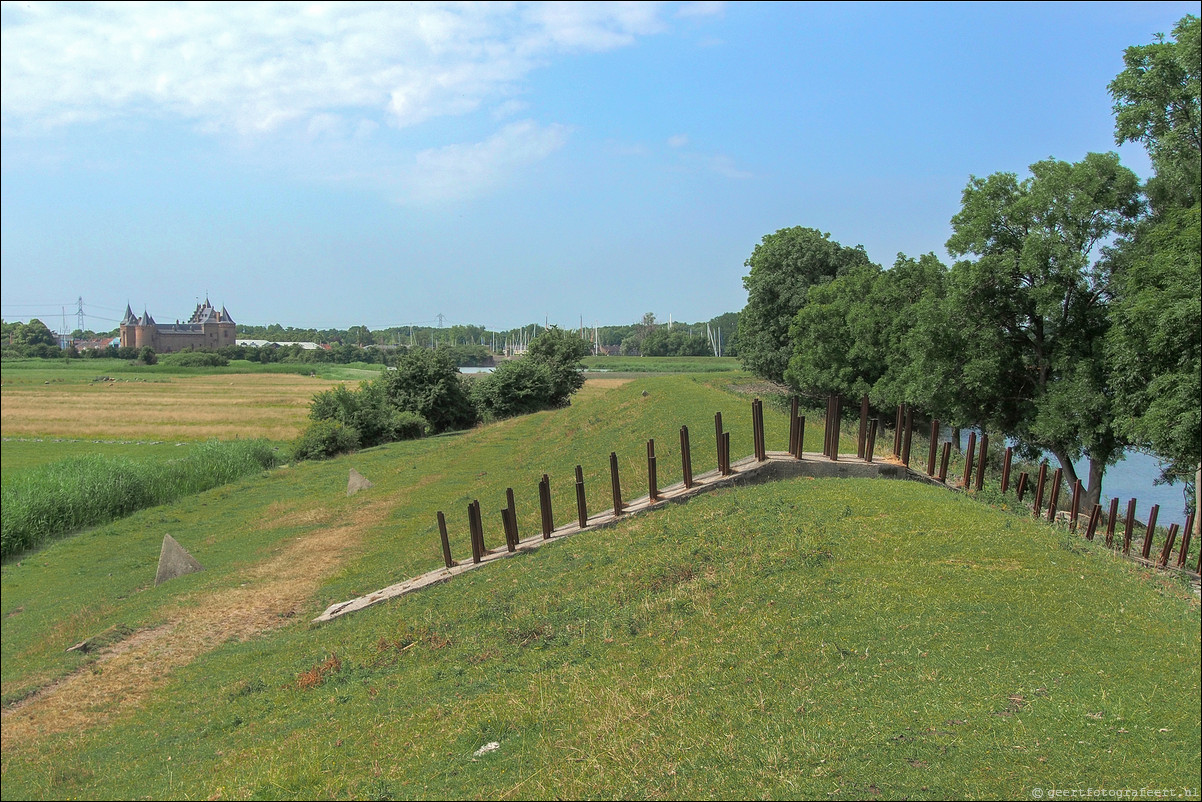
{"points": [[561, 351], [147, 356], [516, 387], [195, 359], [323, 439], [369, 412], [428, 383]]}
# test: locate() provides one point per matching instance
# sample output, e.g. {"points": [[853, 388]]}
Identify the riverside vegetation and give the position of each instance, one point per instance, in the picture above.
{"points": [[810, 638]]}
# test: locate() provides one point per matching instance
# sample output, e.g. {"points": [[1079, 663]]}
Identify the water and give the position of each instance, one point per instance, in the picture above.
{"points": [[1130, 477]]}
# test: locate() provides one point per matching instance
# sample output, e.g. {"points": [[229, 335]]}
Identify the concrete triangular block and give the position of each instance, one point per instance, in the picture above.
{"points": [[356, 482], [174, 560]]}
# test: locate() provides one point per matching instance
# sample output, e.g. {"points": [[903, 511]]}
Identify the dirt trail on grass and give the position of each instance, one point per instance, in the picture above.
{"points": [[270, 594]]}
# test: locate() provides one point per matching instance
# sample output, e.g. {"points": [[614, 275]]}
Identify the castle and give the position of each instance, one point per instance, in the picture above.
{"points": [[207, 328]]}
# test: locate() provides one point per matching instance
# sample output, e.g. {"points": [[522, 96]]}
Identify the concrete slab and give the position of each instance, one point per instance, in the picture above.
{"points": [[174, 560], [356, 482]]}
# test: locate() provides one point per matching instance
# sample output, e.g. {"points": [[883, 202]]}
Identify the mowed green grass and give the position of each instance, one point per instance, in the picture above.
{"points": [[809, 638]]}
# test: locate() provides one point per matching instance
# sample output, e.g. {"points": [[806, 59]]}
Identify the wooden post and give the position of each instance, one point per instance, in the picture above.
{"points": [[652, 479], [907, 437], [1094, 516], [1054, 498], [1111, 519], [862, 434], [944, 458], [686, 458], [1074, 506], [1037, 508], [1021, 488], [1006, 468], [969, 454], [1128, 527], [981, 462], [835, 428], [507, 528], [1147, 549], [870, 449], [1168, 547], [544, 504], [615, 482], [513, 516], [446, 542], [933, 450], [1186, 533], [477, 539], [718, 436], [581, 507]]}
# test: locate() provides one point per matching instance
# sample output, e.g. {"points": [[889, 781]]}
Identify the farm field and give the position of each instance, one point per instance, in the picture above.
{"points": [[833, 638]]}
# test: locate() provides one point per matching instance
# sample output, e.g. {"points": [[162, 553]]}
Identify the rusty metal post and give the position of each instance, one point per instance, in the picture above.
{"points": [[1169, 541], [1055, 495], [759, 414], [581, 508], [897, 429], [1111, 519], [934, 449], [981, 462], [652, 478], [615, 482], [1006, 468], [1186, 533], [1095, 515], [908, 435], [826, 432], [686, 458], [1129, 527], [1074, 506], [1021, 488], [718, 437], [544, 505], [757, 430], [862, 435], [1147, 549], [969, 454], [801, 436], [871, 447], [446, 542], [1037, 508], [944, 458], [726, 453]]}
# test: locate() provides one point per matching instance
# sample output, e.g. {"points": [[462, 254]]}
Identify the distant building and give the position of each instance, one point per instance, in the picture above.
{"points": [[207, 328], [97, 344], [306, 346]]}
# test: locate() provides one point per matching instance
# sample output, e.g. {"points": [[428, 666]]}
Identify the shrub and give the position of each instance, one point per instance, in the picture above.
{"points": [[195, 359], [428, 383], [561, 351], [323, 439], [516, 387]]}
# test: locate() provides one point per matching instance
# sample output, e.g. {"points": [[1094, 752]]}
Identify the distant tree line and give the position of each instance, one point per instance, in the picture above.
{"points": [[1072, 323]]}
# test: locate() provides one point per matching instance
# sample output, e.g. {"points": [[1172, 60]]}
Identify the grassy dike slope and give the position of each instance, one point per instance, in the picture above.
{"points": [[841, 638]]}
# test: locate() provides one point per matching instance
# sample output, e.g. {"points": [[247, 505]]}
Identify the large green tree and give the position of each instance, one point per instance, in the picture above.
{"points": [[783, 267], [428, 383], [1156, 102], [1034, 304]]}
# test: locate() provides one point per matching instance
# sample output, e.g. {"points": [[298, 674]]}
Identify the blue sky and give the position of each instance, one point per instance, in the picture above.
{"points": [[329, 165]]}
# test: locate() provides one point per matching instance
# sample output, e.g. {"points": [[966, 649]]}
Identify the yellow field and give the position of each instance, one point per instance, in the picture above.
{"points": [[274, 406]]}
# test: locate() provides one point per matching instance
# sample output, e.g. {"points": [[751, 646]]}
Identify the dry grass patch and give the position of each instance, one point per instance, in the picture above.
{"points": [[270, 594], [274, 406]]}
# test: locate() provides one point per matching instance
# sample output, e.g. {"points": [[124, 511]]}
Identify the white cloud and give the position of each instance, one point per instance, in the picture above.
{"points": [[254, 67], [458, 171], [678, 141]]}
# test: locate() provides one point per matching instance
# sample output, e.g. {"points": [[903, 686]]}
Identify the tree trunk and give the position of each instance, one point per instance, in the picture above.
{"points": [[1197, 502], [1093, 493]]}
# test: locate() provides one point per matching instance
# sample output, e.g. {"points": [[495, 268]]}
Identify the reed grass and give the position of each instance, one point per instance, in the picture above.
{"points": [[81, 491]]}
